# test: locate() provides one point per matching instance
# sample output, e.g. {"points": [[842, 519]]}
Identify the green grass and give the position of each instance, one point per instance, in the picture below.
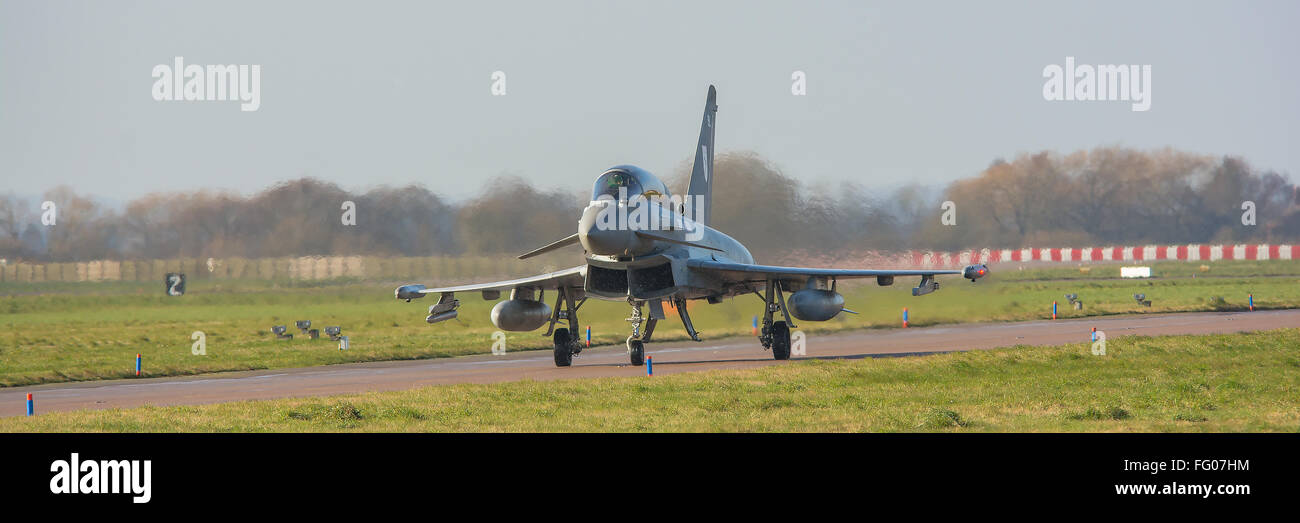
{"points": [[1237, 382], [58, 332]]}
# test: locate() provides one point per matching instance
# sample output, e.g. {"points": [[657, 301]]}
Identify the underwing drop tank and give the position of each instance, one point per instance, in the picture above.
{"points": [[815, 304], [520, 315]]}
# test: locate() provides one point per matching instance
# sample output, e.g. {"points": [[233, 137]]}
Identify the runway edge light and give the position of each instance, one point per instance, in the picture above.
{"points": [[137, 364], [904, 317], [31, 405], [649, 366]]}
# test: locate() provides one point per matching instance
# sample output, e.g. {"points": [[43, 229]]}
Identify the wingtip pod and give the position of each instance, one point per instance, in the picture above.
{"points": [[975, 272], [409, 292]]}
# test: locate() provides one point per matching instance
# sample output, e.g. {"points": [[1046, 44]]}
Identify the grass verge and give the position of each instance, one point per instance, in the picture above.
{"points": [[1215, 383], [91, 331]]}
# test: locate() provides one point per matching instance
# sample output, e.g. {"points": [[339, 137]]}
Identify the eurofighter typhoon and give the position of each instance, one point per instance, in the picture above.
{"points": [[645, 246]]}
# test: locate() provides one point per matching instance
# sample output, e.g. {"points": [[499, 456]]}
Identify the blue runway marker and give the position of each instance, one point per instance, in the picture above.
{"points": [[137, 364], [649, 366], [31, 405]]}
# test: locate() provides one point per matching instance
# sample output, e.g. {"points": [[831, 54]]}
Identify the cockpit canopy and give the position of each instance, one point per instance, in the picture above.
{"points": [[635, 179]]}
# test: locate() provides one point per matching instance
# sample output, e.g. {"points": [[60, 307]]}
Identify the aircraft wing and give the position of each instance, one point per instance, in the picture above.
{"points": [[571, 277], [748, 272]]}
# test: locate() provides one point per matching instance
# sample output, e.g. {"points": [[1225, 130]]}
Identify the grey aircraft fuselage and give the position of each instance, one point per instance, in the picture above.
{"points": [[622, 249]]}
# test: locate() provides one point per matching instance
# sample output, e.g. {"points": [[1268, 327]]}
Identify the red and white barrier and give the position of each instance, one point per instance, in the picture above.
{"points": [[1193, 252]]}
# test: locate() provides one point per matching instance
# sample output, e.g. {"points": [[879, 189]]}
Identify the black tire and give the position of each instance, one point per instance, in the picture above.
{"points": [[780, 341], [563, 348], [636, 351]]}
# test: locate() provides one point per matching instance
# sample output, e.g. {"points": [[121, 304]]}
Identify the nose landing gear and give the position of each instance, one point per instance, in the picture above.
{"points": [[636, 350], [636, 342]]}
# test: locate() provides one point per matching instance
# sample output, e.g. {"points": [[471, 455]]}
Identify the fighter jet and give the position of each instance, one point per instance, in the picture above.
{"points": [[644, 246]]}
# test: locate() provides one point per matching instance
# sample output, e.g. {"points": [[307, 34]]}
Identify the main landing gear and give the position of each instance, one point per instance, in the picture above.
{"points": [[775, 334], [565, 339]]}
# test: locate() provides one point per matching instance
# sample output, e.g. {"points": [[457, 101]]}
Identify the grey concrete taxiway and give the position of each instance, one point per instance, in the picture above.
{"points": [[668, 358]]}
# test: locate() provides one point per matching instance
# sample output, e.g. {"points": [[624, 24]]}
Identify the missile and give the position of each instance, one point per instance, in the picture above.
{"points": [[435, 317]]}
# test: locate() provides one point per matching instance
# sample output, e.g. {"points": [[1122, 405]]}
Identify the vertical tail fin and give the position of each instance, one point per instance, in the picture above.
{"points": [[702, 173]]}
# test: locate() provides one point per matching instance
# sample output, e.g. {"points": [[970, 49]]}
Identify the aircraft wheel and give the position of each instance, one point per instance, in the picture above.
{"points": [[780, 341], [563, 348], [636, 351]]}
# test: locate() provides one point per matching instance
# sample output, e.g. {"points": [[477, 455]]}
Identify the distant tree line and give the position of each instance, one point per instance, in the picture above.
{"points": [[1108, 195], [1113, 195]]}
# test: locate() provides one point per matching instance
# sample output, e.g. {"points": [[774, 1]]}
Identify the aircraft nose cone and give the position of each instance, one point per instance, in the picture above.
{"points": [[603, 242], [600, 233]]}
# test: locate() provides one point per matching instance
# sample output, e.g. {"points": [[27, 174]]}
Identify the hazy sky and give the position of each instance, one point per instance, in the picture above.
{"points": [[368, 93]]}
